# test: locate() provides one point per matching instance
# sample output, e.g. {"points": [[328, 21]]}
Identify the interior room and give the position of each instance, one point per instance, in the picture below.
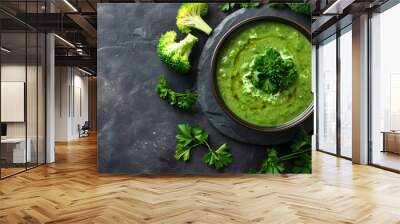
{"points": [[334, 55], [22, 100], [384, 88], [199, 112]]}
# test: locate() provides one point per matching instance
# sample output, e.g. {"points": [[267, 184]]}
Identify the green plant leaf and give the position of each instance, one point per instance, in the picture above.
{"points": [[302, 140], [185, 142], [184, 101], [272, 163], [219, 158], [199, 134], [300, 156], [249, 5], [190, 137], [182, 152], [302, 8], [271, 73], [303, 164], [224, 7]]}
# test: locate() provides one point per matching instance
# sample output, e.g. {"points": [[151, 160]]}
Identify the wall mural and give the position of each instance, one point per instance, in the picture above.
{"points": [[199, 88]]}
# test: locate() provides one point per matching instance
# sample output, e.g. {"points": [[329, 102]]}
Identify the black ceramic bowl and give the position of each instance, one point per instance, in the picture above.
{"points": [[212, 105], [215, 57]]}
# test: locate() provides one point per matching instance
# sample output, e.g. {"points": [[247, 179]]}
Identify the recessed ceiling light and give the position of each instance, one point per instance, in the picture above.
{"points": [[70, 5], [84, 71], [338, 6], [5, 50], [65, 41]]}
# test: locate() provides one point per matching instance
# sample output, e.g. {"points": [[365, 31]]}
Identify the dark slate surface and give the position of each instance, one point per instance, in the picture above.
{"points": [[136, 130]]}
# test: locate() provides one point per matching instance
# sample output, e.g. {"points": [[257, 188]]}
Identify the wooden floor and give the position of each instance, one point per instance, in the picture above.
{"points": [[5, 172], [71, 191], [387, 159]]}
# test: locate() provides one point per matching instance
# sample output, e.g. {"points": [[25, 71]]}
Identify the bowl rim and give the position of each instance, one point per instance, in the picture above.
{"points": [[232, 30]]}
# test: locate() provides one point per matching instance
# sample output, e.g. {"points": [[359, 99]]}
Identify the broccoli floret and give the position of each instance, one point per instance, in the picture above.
{"points": [[189, 16], [176, 55]]}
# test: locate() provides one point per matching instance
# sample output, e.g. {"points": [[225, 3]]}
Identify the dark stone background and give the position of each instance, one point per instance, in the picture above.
{"points": [[136, 129]]}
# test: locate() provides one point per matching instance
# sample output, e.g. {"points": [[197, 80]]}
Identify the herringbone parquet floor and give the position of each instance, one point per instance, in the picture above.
{"points": [[71, 191]]}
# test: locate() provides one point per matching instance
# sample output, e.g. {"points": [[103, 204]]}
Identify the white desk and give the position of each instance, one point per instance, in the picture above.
{"points": [[19, 153]]}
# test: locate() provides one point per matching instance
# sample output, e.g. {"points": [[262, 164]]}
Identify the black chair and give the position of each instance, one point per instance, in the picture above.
{"points": [[84, 130]]}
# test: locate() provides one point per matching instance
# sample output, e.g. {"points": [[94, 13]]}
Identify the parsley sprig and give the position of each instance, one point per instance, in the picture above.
{"points": [[303, 8], [225, 7], [190, 137], [184, 101], [301, 153], [271, 73]]}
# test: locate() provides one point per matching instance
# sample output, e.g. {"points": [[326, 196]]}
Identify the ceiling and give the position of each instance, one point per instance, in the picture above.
{"points": [[76, 22]]}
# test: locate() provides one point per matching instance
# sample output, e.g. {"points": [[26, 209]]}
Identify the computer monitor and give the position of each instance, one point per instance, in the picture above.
{"points": [[3, 129]]}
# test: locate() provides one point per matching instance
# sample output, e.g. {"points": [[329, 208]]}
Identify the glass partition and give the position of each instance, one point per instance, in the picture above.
{"points": [[31, 99], [327, 95], [346, 93], [41, 97], [13, 109], [22, 107], [385, 89]]}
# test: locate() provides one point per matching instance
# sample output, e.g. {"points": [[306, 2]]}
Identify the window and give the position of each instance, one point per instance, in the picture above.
{"points": [[22, 77], [327, 95], [385, 89], [346, 92]]}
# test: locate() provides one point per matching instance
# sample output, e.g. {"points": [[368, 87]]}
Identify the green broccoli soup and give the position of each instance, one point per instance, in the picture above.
{"points": [[263, 73]]}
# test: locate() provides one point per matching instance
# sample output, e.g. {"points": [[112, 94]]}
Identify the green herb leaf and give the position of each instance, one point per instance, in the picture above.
{"points": [[185, 133], [184, 101], [302, 8], [303, 163], [272, 163], [187, 140], [300, 155], [218, 158], [224, 7], [182, 152], [199, 134], [271, 73], [189, 137], [278, 5], [249, 5], [301, 141]]}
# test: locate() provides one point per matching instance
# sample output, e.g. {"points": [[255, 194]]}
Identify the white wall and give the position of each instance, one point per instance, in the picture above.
{"points": [[10, 73], [80, 110], [33, 127], [62, 81], [16, 73], [71, 93]]}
